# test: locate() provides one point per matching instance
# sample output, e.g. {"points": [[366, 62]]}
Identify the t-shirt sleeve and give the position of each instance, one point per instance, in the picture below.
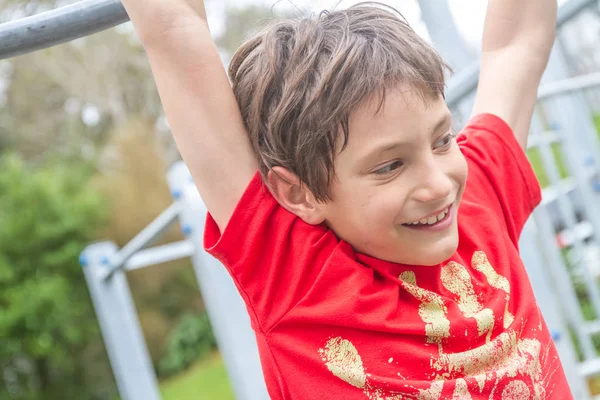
{"points": [[272, 255], [500, 175]]}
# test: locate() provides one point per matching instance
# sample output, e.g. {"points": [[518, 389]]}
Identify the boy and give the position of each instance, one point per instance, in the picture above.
{"points": [[371, 265]]}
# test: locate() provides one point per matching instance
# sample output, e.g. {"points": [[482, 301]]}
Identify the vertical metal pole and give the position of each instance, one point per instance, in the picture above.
{"points": [[444, 34], [558, 273], [570, 114], [581, 152], [549, 306], [567, 212], [225, 307], [449, 43], [120, 327]]}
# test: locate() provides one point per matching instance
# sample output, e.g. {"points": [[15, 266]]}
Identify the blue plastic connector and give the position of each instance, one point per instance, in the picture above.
{"points": [[589, 161], [83, 261], [186, 229]]}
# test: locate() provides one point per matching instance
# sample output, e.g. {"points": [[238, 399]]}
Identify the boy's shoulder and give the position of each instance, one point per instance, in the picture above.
{"points": [[501, 180]]}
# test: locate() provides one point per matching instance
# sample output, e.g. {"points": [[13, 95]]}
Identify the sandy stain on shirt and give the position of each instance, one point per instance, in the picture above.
{"points": [[343, 360], [456, 279], [506, 357], [431, 310], [480, 262]]}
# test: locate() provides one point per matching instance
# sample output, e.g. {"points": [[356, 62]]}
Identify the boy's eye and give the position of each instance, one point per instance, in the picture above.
{"points": [[388, 168], [445, 141]]}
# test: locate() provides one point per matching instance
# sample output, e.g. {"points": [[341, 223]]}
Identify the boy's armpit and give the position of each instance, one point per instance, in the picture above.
{"points": [[500, 175]]}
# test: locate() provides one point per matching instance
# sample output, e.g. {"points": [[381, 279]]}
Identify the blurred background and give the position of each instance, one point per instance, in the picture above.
{"points": [[84, 148]]}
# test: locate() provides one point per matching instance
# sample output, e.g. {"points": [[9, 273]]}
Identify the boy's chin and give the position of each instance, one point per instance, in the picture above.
{"points": [[438, 255]]}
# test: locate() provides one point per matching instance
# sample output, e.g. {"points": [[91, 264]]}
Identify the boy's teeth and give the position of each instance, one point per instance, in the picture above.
{"points": [[431, 220]]}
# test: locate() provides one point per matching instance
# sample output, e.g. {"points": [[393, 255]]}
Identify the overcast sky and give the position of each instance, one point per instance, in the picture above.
{"points": [[468, 14]]}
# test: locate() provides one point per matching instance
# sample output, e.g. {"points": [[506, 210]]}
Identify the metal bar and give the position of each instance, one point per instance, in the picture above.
{"points": [[145, 237], [228, 314], [569, 85], [589, 369], [549, 137], [566, 291], [565, 187], [581, 231], [463, 83], [568, 214], [58, 26], [160, 254], [592, 327], [120, 326], [550, 305]]}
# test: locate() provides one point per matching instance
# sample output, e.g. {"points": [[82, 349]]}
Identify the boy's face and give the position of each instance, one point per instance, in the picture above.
{"points": [[401, 166]]}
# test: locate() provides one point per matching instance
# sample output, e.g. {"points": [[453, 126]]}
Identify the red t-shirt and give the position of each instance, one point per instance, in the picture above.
{"points": [[334, 324]]}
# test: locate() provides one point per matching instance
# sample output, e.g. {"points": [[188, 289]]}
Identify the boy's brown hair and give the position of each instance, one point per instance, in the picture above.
{"points": [[297, 81]]}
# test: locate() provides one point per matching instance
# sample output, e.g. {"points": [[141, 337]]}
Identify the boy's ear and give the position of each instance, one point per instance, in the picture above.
{"points": [[294, 196]]}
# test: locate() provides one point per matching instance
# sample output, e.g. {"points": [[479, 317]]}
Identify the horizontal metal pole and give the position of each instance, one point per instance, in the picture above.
{"points": [[581, 231], [58, 26], [553, 192], [145, 237], [589, 368], [160, 254], [549, 137], [465, 81], [90, 16], [565, 186], [565, 86]]}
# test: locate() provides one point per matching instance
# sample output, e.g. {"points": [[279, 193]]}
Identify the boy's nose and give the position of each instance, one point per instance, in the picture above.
{"points": [[434, 186]]}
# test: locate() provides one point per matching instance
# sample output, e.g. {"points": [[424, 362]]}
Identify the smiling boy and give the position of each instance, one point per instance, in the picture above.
{"points": [[376, 250]]}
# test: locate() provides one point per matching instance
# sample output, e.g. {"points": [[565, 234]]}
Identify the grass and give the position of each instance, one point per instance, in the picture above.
{"points": [[206, 380]]}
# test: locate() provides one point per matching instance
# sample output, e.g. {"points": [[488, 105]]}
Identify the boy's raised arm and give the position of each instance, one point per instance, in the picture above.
{"points": [[197, 98], [517, 41]]}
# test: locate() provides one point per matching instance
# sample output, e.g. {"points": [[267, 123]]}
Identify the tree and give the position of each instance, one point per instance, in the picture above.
{"points": [[68, 99], [47, 216]]}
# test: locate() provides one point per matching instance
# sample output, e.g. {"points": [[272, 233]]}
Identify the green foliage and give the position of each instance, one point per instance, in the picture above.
{"points": [[47, 216], [191, 339]]}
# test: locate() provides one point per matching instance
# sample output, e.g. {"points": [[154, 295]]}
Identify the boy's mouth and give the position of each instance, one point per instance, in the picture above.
{"points": [[438, 220]]}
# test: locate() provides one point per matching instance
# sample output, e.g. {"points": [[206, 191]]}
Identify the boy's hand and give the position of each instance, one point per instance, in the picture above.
{"points": [[517, 40], [198, 100]]}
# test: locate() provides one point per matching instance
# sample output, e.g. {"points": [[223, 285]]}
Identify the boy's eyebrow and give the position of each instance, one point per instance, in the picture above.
{"points": [[443, 121], [446, 119]]}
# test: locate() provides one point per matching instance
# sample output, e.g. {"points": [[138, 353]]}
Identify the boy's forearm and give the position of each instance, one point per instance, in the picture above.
{"points": [[197, 98], [517, 40], [155, 19], [527, 23]]}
